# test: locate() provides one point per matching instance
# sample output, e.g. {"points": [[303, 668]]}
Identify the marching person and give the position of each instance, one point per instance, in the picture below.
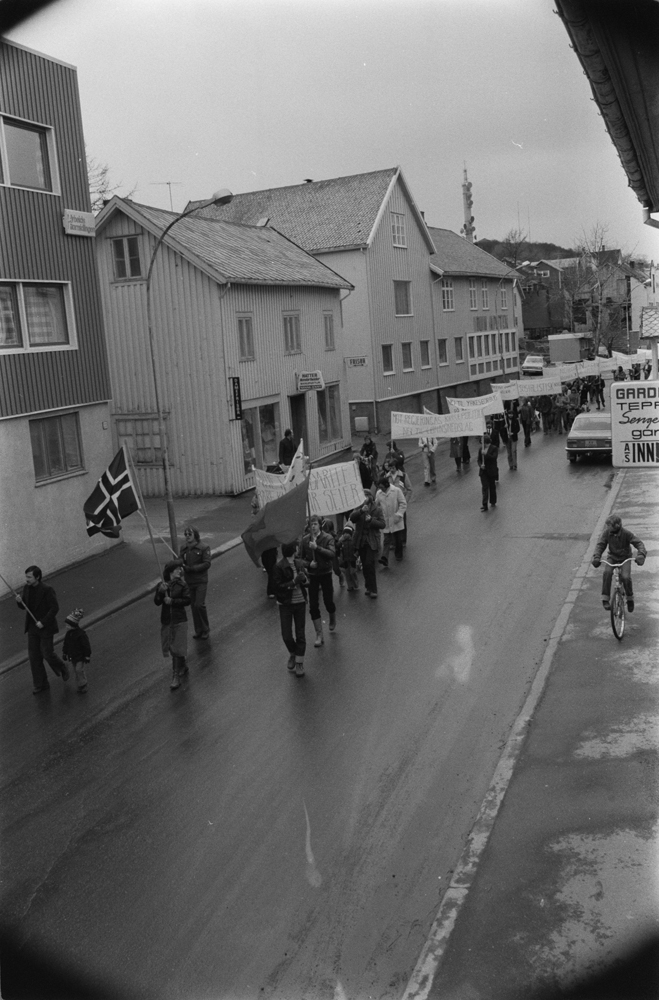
{"points": [[526, 412], [395, 454], [619, 541], [41, 607], [428, 446], [369, 453], [317, 554], [393, 506], [347, 555], [512, 436], [196, 557], [455, 452], [488, 470], [77, 648], [173, 596], [290, 585], [369, 522], [328, 526]]}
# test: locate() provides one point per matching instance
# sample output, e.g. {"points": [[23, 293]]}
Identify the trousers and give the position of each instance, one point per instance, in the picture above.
{"points": [[40, 648], [317, 583], [293, 615]]}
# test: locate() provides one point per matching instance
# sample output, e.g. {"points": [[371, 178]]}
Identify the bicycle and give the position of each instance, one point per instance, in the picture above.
{"points": [[617, 598]]}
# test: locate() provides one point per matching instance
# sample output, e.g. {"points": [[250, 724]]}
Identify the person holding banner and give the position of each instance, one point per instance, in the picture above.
{"points": [[369, 522], [41, 607], [488, 471], [428, 446], [317, 554]]}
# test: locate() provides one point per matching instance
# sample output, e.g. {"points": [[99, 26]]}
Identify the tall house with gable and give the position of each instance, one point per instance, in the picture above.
{"points": [[367, 228], [55, 437]]}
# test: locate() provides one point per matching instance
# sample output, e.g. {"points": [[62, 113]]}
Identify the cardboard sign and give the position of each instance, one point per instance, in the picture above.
{"points": [[485, 404], [444, 425], [635, 424]]}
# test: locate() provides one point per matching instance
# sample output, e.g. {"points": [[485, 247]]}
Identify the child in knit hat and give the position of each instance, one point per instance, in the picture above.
{"points": [[76, 648], [347, 555]]}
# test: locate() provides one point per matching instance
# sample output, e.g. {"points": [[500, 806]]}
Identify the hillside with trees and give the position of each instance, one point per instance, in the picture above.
{"points": [[514, 249]]}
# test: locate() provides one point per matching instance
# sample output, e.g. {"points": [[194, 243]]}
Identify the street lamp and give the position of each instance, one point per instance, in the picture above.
{"points": [[222, 197]]}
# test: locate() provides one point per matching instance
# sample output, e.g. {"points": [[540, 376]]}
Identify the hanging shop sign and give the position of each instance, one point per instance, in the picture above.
{"points": [[237, 398], [78, 223], [310, 381]]}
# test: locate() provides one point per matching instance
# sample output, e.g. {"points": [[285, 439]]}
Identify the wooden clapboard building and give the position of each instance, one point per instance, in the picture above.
{"points": [[241, 317], [55, 436]]}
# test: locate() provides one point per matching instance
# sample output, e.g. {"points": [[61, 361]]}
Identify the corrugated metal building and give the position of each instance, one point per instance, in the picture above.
{"points": [[238, 314], [55, 437]]}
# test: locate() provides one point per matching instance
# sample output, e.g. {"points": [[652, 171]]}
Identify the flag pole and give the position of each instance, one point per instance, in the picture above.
{"points": [[136, 486], [16, 594]]}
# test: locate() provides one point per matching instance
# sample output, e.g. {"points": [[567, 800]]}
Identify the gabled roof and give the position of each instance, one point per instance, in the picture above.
{"points": [[322, 216], [456, 255], [649, 321], [253, 255]]}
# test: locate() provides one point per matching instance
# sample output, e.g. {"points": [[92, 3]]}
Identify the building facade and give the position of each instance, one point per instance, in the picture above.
{"points": [[55, 437], [239, 314]]}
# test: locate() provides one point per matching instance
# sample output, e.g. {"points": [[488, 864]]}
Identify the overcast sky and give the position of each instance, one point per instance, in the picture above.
{"points": [[251, 94]]}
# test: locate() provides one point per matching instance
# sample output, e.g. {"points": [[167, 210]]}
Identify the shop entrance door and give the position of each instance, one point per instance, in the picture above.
{"points": [[299, 420]]}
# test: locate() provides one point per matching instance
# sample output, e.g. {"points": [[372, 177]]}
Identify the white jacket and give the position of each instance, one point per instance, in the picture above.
{"points": [[394, 505]]}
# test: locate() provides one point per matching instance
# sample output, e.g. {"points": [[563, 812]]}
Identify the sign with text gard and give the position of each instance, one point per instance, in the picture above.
{"points": [[635, 424]]}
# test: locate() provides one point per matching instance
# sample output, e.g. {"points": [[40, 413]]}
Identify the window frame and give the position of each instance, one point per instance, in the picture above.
{"points": [[328, 327], [40, 423], [424, 348], [69, 316], [407, 344], [442, 350], [390, 349], [473, 294], [294, 318], [407, 285], [448, 299], [458, 345], [52, 168], [472, 347], [485, 294], [333, 389], [504, 298], [245, 344], [126, 258], [398, 229]]}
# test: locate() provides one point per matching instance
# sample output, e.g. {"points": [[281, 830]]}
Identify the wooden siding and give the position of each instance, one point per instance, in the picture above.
{"points": [[196, 350], [386, 264], [33, 245]]}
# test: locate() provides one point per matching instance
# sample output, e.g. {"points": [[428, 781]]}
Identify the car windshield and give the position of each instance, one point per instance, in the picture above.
{"points": [[592, 422]]}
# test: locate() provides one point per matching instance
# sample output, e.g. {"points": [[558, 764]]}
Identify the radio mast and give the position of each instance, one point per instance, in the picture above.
{"points": [[469, 228]]}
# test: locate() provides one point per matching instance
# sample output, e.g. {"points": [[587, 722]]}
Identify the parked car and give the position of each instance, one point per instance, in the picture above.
{"points": [[590, 434], [533, 365]]}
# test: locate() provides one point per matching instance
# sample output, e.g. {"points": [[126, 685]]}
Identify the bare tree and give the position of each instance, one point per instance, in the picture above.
{"points": [[512, 246], [101, 188]]}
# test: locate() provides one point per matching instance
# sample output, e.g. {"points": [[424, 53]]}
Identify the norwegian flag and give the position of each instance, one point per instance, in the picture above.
{"points": [[113, 498]]}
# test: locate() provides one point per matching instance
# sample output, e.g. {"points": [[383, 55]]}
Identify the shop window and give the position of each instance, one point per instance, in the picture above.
{"points": [[329, 414], [261, 433]]}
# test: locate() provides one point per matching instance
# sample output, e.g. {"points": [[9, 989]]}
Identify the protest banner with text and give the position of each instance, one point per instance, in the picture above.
{"points": [[441, 425]]}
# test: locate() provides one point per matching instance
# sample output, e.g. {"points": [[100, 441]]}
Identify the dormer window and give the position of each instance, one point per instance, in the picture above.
{"points": [[398, 229]]}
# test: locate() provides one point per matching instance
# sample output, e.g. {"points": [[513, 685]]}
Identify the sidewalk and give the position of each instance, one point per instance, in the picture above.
{"points": [[559, 880]]}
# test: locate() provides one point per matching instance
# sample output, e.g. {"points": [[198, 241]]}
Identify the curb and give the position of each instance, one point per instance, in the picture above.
{"points": [[115, 606]]}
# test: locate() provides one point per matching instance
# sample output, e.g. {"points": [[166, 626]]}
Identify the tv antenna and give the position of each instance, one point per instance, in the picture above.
{"points": [[169, 185]]}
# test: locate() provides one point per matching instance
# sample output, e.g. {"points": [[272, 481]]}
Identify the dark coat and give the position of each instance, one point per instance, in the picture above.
{"points": [[76, 645], [196, 562], [42, 602], [174, 613], [287, 449], [367, 533], [322, 556], [283, 581], [487, 462], [620, 545]]}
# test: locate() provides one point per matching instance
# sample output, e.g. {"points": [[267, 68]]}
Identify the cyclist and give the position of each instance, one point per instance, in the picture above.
{"points": [[620, 541]]}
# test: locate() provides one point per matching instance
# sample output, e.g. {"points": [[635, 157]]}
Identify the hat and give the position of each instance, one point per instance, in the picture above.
{"points": [[171, 566], [74, 617], [348, 527]]}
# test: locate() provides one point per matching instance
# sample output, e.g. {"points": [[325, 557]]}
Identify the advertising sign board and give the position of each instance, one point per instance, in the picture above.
{"points": [[635, 424]]}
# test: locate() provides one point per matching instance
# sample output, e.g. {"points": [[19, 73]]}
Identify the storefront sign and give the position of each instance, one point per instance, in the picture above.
{"points": [[78, 223], [356, 362], [635, 424], [237, 398], [310, 381], [443, 425]]}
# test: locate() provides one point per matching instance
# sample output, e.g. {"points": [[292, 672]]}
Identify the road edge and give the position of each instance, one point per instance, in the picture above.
{"points": [[425, 970]]}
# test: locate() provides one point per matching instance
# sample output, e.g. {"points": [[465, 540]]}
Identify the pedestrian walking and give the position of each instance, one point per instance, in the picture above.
{"points": [[41, 607], [512, 432], [173, 597], [544, 407], [456, 451], [290, 584], [466, 454], [369, 454], [428, 446], [488, 471], [196, 557], [77, 648], [347, 555], [526, 412], [599, 392], [317, 555], [369, 522], [287, 449], [328, 526], [393, 506], [395, 454], [398, 477]]}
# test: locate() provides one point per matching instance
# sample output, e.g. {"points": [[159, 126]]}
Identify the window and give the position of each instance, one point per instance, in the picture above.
{"points": [[328, 320], [329, 414], [472, 347], [504, 298], [407, 357], [486, 346], [398, 229], [261, 435], [388, 359], [447, 294], [441, 352], [403, 298], [27, 153], [479, 347], [141, 435], [473, 294], [485, 294], [56, 447], [126, 256], [513, 337], [459, 349], [245, 338], [507, 340], [35, 316], [480, 323], [424, 348], [292, 342]]}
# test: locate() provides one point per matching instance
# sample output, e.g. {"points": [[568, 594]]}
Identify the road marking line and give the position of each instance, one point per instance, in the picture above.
{"points": [[433, 951]]}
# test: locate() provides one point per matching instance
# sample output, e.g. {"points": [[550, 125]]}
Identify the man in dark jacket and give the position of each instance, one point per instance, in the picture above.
{"points": [[196, 562], [619, 541], [369, 522], [287, 449], [317, 553], [290, 586], [172, 596], [488, 470], [40, 603]]}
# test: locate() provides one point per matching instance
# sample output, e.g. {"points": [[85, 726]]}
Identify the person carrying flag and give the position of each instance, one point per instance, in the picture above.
{"points": [[40, 604]]}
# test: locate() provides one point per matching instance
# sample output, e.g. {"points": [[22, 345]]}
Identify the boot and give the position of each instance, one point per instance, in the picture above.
{"points": [[182, 666], [299, 666], [332, 622], [318, 625], [176, 680]]}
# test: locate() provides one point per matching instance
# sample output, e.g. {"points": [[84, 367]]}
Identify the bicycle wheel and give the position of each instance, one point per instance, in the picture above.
{"points": [[618, 613]]}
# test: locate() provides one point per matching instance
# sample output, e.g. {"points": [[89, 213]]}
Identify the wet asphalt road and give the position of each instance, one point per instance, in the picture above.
{"points": [[256, 835]]}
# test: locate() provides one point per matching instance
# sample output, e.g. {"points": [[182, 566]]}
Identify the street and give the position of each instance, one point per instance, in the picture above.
{"points": [[254, 834]]}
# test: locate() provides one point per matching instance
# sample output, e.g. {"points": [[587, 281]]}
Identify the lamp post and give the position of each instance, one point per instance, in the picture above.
{"points": [[222, 197]]}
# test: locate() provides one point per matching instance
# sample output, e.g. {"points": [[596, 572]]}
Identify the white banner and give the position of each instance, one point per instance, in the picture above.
{"points": [[508, 390], [270, 486], [540, 386], [623, 360], [445, 425], [585, 368], [607, 365], [332, 488], [567, 372], [485, 404], [635, 424]]}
